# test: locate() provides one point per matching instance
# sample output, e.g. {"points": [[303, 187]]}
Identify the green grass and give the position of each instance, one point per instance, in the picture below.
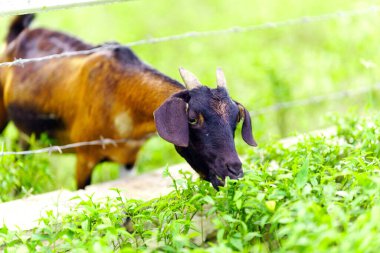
{"points": [[319, 195], [262, 67]]}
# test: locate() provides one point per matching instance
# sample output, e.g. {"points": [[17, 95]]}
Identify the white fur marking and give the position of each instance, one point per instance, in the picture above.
{"points": [[123, 124]]}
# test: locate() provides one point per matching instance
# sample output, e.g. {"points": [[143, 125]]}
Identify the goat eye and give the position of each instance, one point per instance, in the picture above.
{"points": [[193, 121]]}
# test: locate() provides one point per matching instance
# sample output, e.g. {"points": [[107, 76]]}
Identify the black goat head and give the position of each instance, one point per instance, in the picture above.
{"points": [[201, 123]]}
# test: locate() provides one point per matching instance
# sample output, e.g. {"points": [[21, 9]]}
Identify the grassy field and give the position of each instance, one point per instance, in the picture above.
{"points": [[319, 195], [262, 67]]}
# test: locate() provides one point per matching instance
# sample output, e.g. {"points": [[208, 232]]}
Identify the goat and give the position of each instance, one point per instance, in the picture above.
{"points": [[113, 94]]}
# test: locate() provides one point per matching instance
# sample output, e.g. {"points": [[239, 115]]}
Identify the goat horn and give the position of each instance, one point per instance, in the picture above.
{"points": [[190, 80], [220, 78]]}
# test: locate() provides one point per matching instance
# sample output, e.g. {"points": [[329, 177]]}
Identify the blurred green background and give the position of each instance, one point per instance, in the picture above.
{"points": [[262, 67]]}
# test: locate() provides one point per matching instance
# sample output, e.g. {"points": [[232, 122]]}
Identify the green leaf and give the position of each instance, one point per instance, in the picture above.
{"points": [[248, 237], [239, 204], [303, 175], [271, 205], [220, 235], [209, 200], [85, 225], [237, 243]]}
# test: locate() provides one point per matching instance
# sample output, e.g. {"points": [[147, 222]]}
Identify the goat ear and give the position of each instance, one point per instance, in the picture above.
{"points": [[172, 123], [246, 130]]}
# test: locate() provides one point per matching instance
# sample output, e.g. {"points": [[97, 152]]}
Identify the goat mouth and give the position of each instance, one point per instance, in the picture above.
{"points": [[218, 181]]}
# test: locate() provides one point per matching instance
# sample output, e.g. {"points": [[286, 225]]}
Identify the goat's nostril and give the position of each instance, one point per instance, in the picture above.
{"points": [[235, 170]]}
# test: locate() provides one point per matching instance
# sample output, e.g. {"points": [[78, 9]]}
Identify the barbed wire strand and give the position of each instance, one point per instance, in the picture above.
{"points": [[316, 99], [196, 34], [280, 106], [101, 142], [17, 7]]}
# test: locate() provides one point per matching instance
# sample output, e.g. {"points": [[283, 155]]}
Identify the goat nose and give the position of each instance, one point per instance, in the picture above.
{"points": [[234, 169]]}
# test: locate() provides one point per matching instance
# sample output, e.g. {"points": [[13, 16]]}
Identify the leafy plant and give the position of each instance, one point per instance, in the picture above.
{"points": [[319, 195], [24, 175]]}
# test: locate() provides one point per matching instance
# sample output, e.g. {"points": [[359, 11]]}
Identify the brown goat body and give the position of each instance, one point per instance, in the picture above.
{"points": [[108, 94]]}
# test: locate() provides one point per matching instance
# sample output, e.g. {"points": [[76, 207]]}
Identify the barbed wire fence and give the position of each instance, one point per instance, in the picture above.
{"points": [[196, 34], [101, 142], [232, 30]]}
